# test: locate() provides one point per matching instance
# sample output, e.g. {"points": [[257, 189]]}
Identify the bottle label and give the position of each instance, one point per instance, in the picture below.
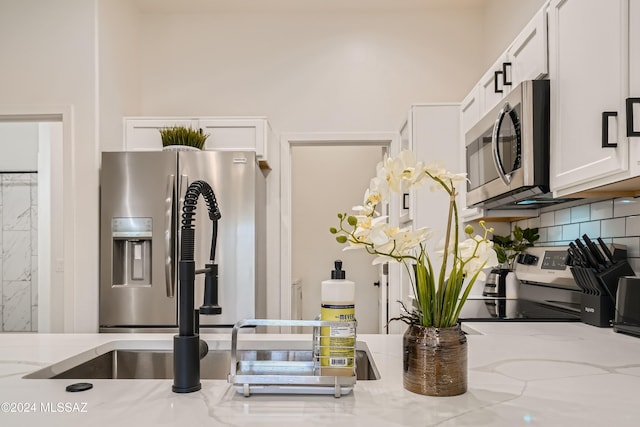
{"points": [[337, 343]]}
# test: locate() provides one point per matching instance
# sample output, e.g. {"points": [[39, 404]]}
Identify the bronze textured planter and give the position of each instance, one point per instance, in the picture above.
{"points": [[435, 360]]}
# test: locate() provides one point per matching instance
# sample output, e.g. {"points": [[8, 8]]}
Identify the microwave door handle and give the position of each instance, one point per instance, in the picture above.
{"points": [[497, 161], [169, 245]]}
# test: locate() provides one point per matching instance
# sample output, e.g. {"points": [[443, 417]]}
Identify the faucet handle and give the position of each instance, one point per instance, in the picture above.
{"points": [[210, 309], [210, 305]]}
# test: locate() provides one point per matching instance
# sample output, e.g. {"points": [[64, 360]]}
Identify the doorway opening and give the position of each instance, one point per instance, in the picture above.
{"points": [[323, 174], [31, 148]]}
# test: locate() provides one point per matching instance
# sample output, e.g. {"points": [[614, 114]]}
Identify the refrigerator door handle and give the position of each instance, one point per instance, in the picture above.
{"points": [[169, 246], [184, 185]]}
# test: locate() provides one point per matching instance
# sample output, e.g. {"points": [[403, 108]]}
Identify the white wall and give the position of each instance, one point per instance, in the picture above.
{"points": [[18, 146], [309, 71], [119, 71], [48, 63]]}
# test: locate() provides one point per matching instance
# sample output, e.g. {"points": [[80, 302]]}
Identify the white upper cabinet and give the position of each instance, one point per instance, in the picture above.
{"points": [[525, 59], [589, 74], [527, 55], [144, 134], [432, 132], [236, 134], [632, 110], [470, 110], [494, 85], [225, 133]]}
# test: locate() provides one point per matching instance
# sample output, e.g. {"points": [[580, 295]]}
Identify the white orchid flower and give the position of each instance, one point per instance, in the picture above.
{"points": [[398, 172], [403, 242], [371, 230], [379, 235], [378, 190], [387, 243], [477, 253]]}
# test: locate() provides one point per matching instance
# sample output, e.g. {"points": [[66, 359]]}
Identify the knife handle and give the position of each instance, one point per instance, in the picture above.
{"points": [[606, 250], [591, 261], [595, 251], [579, 259]]}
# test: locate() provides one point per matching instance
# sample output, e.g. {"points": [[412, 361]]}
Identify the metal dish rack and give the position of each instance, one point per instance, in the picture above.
{"points": [[298, 376]]}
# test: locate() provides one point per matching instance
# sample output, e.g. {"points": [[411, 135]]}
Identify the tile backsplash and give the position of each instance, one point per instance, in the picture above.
{"points": [[615, 220], [19, 252]]}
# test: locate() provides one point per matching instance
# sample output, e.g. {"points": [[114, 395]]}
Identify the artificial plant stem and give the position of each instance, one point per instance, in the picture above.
{"points": [[446, 237], [442, 291]]}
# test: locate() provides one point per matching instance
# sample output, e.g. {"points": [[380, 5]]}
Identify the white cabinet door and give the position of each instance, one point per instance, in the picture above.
{"points": [[406, 143], [632, 114], [141, 134], [470, 110], [469, 116], [235, 134], [435, 135], [587, 70], [493, 86], [527, 55], [433, 131]]}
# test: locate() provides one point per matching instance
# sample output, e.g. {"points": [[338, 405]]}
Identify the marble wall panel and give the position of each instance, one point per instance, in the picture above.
{"points": [[34, 293], [16, 310], [18, 252], [16, 255], [16, 196]]}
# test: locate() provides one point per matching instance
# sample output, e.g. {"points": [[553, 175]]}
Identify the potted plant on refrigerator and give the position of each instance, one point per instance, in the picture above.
{"points": [[181, 138]]}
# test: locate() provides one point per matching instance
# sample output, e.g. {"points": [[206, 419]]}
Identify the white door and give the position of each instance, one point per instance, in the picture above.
{"points": [[325, 180]]}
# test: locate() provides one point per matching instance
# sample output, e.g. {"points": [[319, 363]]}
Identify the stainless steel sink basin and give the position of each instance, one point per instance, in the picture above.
{"points": [[129, 363]]}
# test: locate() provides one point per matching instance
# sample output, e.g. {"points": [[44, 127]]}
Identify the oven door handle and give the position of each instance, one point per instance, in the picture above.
{"points": [[497, 161]]}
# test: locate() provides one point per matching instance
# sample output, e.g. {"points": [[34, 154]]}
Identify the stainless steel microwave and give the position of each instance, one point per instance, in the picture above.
{"points": [[507, 151]]}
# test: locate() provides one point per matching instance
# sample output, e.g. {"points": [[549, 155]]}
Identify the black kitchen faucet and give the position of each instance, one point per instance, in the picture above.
{"points": [[188, 349]]}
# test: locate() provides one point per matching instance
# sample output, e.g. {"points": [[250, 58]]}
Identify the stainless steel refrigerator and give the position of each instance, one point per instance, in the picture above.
{"points": [[141, 198]]}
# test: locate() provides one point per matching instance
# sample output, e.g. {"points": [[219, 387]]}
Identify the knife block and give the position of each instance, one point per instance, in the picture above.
{"points": [[598, 299], [597, 310]]}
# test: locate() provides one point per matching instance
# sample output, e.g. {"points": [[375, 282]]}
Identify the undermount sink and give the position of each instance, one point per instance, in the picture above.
{"points": [[137, 363]]}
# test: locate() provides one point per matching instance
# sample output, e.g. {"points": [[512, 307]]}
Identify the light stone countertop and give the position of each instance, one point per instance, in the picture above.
{"points": [[545, 374]]}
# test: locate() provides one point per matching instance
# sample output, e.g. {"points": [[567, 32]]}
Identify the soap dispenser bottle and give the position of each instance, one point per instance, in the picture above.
{"points": [[337, 343]]}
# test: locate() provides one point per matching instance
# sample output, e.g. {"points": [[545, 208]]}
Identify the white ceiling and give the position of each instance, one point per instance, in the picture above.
{"points": [[190, 6]]}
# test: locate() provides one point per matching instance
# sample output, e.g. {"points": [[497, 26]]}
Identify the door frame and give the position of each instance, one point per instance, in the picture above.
{"points": [[287, 142], [56, 311]]}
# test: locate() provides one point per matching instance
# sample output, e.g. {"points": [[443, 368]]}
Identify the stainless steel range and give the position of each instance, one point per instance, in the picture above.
{"points": [[546, 292]]}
